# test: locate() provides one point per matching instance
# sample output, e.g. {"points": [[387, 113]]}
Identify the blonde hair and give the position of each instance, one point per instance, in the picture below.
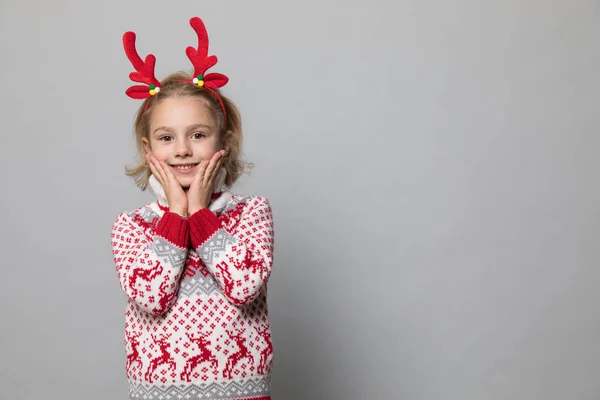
{"points": [[230, 131]]}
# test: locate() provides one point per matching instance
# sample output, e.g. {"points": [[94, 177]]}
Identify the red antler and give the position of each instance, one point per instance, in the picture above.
{"points": [[200, 58], [144, 69]]}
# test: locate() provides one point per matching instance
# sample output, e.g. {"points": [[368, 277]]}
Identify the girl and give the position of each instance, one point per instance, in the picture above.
{"points": [[194, 264]]}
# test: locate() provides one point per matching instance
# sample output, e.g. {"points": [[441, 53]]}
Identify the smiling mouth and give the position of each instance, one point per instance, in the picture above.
{"points": [[183, 167]]}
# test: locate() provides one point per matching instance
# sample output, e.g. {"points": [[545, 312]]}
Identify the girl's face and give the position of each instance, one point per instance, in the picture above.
{"points": [[182, 133]]}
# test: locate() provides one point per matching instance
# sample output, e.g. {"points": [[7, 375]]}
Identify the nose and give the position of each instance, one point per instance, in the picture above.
{"points": [[183, 148]]}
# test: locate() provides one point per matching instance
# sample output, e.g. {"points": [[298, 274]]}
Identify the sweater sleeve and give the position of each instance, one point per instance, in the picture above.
{"points": [[240, 261], [150, 261]]}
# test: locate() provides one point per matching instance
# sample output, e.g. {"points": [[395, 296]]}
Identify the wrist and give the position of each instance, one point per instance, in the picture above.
{"points": [[194, 210], [181, 212], [203, 224]]}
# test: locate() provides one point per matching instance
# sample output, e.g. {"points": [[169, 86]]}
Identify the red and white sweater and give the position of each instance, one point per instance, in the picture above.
{"points": [[196, 321]]}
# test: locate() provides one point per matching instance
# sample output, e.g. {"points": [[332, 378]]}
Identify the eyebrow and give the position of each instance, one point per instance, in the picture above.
{"points": [[190, 127]]}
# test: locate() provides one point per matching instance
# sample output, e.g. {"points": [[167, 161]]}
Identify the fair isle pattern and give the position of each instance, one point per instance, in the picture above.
{"points": [[244, 389], [146, 277], [147, 214], [190, 331], [216, 246], [234, 203], [209, 341], [240, 266], [170, 253], [198, 285], [230, 213], [197, 280]]}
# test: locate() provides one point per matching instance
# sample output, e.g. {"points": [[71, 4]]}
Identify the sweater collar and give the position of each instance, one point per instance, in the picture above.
{"points": [[220, 197]]}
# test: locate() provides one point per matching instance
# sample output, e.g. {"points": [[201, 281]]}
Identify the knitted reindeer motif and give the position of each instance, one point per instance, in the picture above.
{"points": [[232, 217], [194, 266], [205, 355], [227, 278], [237, 356], [253, 265], [163, 298], [164, 357], [134, 356], [144, 274], [147, 226], [265, 352]]}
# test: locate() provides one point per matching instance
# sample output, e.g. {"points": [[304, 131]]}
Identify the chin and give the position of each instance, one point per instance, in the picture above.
{"points": [[185, 183]]}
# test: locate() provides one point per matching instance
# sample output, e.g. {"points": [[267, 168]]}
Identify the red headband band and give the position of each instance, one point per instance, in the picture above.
{"points": [[201, 61]]}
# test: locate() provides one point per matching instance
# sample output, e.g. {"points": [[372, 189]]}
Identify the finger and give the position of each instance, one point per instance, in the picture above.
{"points": [[154, 161], [155, 169], [154, 172], [168, 173], [197, 179], [222, 155], [217, 170], [161, 169], [202, 169], [211, 167]]}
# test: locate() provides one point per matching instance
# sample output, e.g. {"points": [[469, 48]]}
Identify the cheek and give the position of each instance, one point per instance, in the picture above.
{"points": [[160, 153], [207, 150]]}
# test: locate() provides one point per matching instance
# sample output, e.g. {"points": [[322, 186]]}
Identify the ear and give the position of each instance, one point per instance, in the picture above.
{"points": [[146, 144], [226, 140]]}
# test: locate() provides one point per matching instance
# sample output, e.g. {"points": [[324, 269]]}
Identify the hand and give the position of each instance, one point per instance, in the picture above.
{"points": [[178, 202], [202, 187]]}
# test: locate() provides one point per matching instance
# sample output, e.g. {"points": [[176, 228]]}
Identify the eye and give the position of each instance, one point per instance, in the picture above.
{"points": [[198, 135], [165, 138]]}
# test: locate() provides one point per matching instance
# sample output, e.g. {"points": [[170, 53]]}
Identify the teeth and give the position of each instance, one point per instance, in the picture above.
{"points": [[184, 167]]}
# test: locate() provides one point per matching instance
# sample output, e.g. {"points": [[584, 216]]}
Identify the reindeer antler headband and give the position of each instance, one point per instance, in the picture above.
{"points": [[201, 61]]}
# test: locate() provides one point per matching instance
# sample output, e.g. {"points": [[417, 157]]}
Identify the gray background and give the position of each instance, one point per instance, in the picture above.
{"points": [[432, 168]]}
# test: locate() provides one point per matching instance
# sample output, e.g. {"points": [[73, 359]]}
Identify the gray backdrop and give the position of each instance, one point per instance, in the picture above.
{"points": [[432, 167]]}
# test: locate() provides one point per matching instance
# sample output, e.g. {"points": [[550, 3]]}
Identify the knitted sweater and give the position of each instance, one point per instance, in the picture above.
{"points": [[196, 321]]}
